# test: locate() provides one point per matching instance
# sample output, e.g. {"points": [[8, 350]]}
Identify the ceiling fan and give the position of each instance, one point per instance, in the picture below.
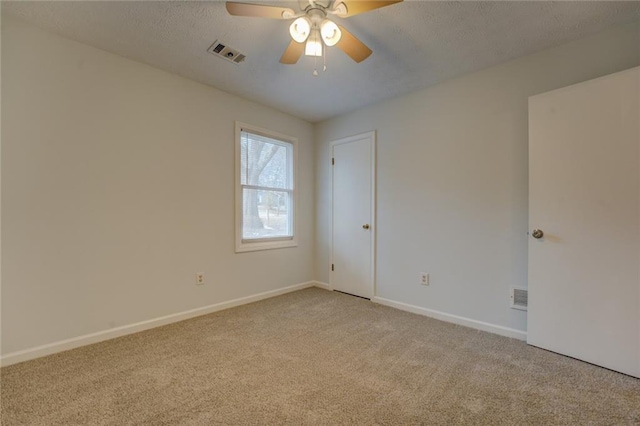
{"points": [[311, 31]]}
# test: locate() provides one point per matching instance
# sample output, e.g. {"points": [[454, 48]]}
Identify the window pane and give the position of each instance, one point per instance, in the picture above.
{"points": [[265, 162], [265, 214]]}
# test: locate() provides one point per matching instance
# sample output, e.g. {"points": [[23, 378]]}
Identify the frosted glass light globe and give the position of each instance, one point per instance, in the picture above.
{"points": [[330, 32], [300, 29], [314, 46]]}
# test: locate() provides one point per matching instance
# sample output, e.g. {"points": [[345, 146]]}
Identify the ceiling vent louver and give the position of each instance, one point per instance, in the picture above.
{"points": [[519, 298], [218, 48], [225, 52]]}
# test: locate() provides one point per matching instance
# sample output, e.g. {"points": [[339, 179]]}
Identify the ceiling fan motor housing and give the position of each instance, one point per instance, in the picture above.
{"points": [[307, 4], [316, 16]]}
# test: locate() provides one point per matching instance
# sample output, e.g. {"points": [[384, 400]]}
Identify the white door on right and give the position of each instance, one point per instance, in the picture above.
{"points": [[353, 226], [584, 197]]}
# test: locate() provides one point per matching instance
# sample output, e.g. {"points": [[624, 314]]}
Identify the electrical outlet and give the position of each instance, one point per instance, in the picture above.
{"points": [[200, 278], [424, 278]]}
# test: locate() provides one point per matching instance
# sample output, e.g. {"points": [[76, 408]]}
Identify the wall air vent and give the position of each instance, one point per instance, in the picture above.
{"points": [[519, 298], [225, 52]]}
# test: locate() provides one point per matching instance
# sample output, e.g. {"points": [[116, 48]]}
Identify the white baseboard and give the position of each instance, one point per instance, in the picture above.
{"points": [[88, 339], [442, 316], [322, 285]]}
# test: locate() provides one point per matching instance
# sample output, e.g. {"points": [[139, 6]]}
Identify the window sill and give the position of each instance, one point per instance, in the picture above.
{"points": [[243, 247]]}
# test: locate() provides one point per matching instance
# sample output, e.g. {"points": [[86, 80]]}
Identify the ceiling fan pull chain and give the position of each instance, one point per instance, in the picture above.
{"points": [[315, 66]]}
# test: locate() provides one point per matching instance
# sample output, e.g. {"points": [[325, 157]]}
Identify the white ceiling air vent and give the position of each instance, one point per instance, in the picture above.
{"points": [[519, 298], [225, 52]]}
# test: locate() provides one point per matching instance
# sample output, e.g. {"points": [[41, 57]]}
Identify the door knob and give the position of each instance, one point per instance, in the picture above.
{"points": [[365, 226], [537, 233]]}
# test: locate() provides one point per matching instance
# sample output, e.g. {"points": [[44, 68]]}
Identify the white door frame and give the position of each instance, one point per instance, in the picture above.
{"points": [[372, 140]]}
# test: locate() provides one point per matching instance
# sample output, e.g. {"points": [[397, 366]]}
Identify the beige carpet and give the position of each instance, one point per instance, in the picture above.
{"points": [[314, 357]]}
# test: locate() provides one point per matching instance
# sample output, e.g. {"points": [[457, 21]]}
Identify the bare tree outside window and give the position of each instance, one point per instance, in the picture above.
{"points": [[267, 189]]}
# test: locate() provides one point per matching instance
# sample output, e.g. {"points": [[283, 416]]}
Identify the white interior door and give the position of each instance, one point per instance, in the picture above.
{"points": [[353, 215], [584, 194]]}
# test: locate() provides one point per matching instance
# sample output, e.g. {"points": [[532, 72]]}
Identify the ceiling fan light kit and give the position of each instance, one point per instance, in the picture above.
{"points": [[311, 31], [313, 28]]}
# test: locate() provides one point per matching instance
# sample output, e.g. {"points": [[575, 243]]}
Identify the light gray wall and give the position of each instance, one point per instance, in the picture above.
{"points": [[0, 183], [117, 188], [452, 178]]}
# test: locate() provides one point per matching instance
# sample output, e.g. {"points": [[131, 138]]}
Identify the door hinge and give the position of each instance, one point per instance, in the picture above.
{"points": [[333, 161], [332, 266]]}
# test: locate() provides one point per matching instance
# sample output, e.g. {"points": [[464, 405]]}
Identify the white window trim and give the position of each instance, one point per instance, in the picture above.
{"points": [[266, 243]]}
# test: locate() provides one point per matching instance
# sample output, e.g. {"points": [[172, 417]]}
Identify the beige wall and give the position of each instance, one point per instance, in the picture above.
{"points": [[117, 188], [452, 178]]}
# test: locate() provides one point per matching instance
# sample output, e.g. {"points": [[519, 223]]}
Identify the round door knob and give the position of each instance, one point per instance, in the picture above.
{"points": [[365, 226], [537, 233]]}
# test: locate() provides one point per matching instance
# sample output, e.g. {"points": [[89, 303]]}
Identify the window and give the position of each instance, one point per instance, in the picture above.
{"points": [[265, 189]]}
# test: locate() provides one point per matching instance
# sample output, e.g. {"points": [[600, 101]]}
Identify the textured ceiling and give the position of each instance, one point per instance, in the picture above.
{"points": [[415, 44]]}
